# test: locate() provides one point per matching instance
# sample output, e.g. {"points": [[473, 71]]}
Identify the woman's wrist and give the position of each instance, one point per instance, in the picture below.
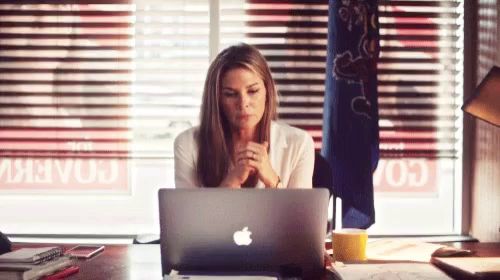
{"points": [[229, 182], [274, 182]]}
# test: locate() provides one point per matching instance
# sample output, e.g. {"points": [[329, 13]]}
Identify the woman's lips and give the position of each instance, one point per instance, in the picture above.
{"points": [[244, 117]]}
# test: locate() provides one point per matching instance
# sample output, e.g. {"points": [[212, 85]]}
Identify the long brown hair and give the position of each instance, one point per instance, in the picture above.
{"points": [[214, 136]]}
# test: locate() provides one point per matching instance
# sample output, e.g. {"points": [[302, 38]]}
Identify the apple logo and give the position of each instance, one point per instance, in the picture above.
{"points": [[242, 237]]}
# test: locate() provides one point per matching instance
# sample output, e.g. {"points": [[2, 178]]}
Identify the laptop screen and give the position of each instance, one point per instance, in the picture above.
{"points": [[272, 230]]}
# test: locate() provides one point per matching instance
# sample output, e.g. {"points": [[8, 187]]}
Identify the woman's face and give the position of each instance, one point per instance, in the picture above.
{"points": [[243, 98]]}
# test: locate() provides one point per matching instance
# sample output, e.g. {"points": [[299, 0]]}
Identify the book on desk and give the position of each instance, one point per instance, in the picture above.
{"points": [[32, 263], [470, 267]]}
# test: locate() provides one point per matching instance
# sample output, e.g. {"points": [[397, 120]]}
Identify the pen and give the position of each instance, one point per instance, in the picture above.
{"points": [[62, 273]]}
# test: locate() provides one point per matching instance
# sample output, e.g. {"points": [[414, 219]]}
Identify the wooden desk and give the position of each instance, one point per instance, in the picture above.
{"points": [[481, 249], [141, 262], [120, 262]]}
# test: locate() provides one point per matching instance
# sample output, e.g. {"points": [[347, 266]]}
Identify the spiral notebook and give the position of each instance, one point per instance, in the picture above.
{"points": [[31, 255]]}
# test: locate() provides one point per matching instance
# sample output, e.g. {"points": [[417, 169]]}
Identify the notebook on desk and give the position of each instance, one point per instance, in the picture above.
{"points": [[243, 230], [24, 270], [31, 255]]}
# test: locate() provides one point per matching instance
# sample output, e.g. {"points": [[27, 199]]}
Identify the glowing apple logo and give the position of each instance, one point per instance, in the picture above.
{"points": [[242, 237]]}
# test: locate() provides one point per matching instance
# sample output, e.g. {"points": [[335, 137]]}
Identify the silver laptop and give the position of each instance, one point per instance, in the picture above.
{"points": [[245, 230]]}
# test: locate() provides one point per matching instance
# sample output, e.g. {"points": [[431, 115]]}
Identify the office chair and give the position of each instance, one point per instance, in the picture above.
{"points": [[5, 244], [146, 239], [323, 178]]}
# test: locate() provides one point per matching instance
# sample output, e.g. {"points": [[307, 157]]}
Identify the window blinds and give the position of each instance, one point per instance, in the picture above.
{"points": [[65, 78], [420, 78], [292, 37], [419, 68], [99, 79], [171, 60], [119, 79]]}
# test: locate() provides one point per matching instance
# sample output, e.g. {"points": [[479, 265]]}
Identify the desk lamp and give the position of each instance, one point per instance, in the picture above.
{"points": [[485, 101]]}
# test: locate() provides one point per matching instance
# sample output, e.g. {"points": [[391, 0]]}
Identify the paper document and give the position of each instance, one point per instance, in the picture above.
{"points": [[408, 250], [214, 277], [400, 271]]}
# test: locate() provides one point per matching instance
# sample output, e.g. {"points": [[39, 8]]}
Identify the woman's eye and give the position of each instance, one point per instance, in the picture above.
{"points": [[253, 91], [229, 94]]}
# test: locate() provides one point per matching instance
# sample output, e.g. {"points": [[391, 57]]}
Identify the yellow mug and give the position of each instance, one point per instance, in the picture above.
{"points": [[349, 244]]}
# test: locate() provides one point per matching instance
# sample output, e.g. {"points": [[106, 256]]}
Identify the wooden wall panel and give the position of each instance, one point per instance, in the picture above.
{"points": [[485, 189]]}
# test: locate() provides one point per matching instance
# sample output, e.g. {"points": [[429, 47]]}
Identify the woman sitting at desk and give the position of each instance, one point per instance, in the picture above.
{"points": [[239, 143]]}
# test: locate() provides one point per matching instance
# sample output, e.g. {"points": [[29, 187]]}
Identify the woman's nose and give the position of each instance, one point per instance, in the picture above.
{"points": [[244, 101]]}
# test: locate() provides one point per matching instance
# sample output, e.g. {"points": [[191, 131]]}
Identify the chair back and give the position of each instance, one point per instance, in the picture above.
{"points": [[323, 178], [322, 175]]}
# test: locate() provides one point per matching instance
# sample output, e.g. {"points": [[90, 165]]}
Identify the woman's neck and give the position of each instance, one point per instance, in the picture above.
{"points": [[244, 135]]}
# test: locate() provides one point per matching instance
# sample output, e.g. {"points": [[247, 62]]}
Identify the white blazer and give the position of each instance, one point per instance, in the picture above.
{"points": [[291, 156]]}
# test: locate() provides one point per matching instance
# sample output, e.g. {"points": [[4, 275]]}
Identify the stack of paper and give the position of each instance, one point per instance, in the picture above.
{"points": [[421, 271], [212, 277], [176, 275], [409, 250]]}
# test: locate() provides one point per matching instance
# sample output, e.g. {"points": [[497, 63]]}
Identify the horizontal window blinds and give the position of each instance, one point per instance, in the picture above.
{"points": [[420, 76], [419, 68], [292, 37], [65, 78], [120, 79], [92, 79], [171, 60]]}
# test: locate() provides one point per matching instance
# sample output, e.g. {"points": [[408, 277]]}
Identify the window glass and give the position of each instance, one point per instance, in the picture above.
{"points": [[94, 94]]}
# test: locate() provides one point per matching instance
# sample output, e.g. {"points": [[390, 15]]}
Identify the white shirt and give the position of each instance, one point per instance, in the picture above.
{"points": [[291, 156]]}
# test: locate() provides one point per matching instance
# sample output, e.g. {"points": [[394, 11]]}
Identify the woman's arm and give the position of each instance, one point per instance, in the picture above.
{"points": [[301, 176], [184, 164]]}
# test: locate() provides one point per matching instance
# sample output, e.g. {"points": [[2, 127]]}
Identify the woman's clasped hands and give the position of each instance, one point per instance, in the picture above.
{"points": [[251, 158]]}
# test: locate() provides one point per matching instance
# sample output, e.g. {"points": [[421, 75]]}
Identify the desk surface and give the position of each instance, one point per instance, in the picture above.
{"points": [[140, 262], [120, 262]]}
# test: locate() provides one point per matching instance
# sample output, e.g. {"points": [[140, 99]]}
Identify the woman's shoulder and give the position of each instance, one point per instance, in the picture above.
{"points": [[290, 133], [187, 136]]}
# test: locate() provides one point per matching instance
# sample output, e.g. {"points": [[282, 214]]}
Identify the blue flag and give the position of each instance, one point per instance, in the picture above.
{"points": [[350, 115]]}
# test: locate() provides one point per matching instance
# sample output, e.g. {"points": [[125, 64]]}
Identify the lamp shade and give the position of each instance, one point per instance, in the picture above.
{"points": [[485, 101]]}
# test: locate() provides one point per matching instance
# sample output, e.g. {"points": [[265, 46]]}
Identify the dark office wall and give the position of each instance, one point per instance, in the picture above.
{"points": [[485, 147]]}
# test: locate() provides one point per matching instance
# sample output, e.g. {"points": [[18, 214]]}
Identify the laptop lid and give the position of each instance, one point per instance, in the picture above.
{"points": [[276, 230]]}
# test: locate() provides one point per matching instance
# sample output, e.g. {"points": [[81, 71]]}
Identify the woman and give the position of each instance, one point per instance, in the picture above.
{"points": [[239, 143]]}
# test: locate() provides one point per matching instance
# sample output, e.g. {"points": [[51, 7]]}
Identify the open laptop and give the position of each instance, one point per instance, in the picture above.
{"points": [[245, 230]]}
